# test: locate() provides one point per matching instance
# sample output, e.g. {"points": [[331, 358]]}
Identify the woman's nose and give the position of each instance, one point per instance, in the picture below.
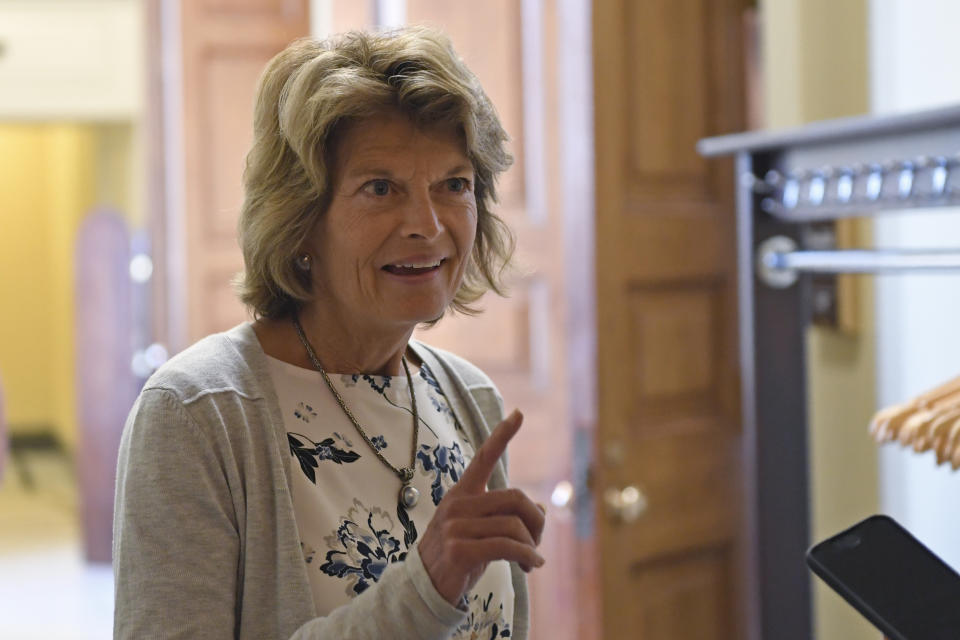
{"points": [[420, 217]]}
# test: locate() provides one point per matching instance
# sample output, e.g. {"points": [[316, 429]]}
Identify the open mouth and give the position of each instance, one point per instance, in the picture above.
{"points": [[414, 269]]}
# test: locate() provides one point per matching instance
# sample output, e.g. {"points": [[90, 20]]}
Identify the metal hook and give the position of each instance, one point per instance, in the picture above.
{"points": [[769, 269]]}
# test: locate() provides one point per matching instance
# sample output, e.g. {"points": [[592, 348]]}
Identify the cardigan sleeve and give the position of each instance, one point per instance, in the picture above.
{"points": [[178, 550], [175, 540]]}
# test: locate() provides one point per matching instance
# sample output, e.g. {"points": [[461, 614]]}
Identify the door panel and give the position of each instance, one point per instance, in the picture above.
{"points": [[669, 110], [667, 72], [226, 45], [687, 599], [228, 78], [674, 342]]}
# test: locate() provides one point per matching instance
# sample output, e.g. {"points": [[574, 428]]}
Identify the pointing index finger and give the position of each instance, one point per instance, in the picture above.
{"points": [[477, 473]]}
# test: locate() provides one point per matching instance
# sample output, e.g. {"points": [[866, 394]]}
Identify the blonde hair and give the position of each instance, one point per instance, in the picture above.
{"points": [[305, 96]]}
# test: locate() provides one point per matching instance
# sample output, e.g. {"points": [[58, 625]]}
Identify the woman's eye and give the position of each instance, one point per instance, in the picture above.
{"points": [[377, 187], [458, 185]]}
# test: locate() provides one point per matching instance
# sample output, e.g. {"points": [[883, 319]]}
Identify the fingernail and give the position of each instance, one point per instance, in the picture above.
{"points": [[542, 508], [540, 561], [515, 415]]}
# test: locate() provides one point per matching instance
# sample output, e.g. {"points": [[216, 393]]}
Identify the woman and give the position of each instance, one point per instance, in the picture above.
{"points": [[315, 473]]}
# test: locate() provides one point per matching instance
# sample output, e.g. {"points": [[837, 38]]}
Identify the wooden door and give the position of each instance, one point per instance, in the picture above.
{"points": [[666, 73], [225, 45]]}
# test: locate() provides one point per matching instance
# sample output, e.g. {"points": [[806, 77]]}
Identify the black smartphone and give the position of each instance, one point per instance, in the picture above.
{"points": [[892, 579]]}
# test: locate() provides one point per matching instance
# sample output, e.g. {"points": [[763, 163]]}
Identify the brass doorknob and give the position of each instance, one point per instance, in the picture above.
{"points": [[625, 505]]}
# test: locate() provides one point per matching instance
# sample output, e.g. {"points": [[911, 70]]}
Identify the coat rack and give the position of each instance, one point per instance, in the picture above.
{"points": [[788, 182]]}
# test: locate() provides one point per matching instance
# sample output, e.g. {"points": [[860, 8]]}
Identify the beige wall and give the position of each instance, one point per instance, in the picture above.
{"points": [[119, 170], [51, 176], [815, 56], [46, 186]]}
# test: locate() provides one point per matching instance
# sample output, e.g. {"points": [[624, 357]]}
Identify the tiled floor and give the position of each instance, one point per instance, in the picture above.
{"points": [[46, 590]]}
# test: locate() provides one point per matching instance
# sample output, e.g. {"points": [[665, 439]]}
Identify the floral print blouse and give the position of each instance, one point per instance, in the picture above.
{"points": [[351, 522]]}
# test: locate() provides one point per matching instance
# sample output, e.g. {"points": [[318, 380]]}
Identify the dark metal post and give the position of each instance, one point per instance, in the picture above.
{"points": [[773, 348]]}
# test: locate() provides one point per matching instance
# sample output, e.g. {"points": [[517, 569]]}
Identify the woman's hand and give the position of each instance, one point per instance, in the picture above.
{"points": [[473, 527]]}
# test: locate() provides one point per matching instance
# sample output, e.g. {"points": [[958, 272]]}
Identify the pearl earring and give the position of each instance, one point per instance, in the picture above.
{"points": [[303, 262]]}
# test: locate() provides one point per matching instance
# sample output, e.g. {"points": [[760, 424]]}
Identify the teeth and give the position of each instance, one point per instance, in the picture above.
{"points": [[421, 265]]}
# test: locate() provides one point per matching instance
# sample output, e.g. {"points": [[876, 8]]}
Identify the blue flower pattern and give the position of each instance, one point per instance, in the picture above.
{"points": [[437, 397], [445, 463], [482, 622], [304, 412], [362, 547], [309, 457], [352, 380]]}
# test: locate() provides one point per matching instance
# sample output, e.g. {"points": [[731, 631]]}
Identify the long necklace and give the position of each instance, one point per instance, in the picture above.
{"points": [[409, 495]]}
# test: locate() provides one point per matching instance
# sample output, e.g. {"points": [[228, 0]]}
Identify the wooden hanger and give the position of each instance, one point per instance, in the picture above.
{"points": [[915, 429], [929, 421], [935, 435], [886, 424], [951, 447]]}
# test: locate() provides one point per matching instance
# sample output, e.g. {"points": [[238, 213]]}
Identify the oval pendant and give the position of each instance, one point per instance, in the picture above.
{"points": [[409, 496]]}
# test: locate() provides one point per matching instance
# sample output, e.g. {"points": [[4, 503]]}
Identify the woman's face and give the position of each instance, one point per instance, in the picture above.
{"points": [[391, 249]]}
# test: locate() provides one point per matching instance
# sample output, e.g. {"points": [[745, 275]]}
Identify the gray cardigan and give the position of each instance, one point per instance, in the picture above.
{"points": [[205, 542]]}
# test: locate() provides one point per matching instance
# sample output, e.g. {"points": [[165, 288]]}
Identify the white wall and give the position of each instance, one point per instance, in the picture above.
{"points": [[321, 18], [913, 52]]}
